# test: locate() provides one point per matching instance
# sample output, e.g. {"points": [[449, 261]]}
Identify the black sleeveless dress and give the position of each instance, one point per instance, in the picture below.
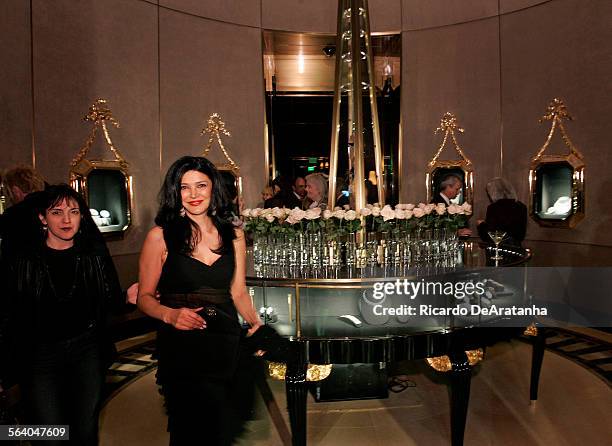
{"points": [[196, 366]]}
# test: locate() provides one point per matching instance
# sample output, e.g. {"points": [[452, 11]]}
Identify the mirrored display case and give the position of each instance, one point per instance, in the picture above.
{"points": [[438, 169], [106, 185], [557, 182]]}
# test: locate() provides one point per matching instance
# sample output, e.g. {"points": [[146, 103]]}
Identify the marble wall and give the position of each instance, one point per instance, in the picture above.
{"points": [[166, 65]]}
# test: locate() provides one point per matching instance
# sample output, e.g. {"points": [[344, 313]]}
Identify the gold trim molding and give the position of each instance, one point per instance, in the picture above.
{"points": [[99, 113], [314, 372], [531, 330], [215, 127], [443, 363]]}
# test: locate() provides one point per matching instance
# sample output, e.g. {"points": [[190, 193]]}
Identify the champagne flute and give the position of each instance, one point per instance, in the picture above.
{"points": [[497, 237]]}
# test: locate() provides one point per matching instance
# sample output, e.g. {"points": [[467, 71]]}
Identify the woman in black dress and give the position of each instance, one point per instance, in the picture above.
{"points": [[54, 340], [197, 261]]}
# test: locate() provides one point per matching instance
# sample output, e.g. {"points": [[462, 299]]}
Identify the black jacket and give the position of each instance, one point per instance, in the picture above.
{"points": [[505, 215], [23, 278]]}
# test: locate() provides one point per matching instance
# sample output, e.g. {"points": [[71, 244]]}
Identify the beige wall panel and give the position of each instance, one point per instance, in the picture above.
{"points": [[420, 14], [15, 84], [211, 67], [89, 49], [561, 49], [454, 69], [317, 16], [515, 5], [243, 12], [385, 15]]}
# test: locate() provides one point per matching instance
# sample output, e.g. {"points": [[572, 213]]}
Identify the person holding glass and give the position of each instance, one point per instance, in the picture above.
{"points": [[196, 258], [505, 213], [54, 340]]}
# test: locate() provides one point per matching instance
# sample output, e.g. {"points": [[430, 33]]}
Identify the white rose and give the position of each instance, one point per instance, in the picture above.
{"points": [[387, 213], [327, 214], [256, 212], [246, 213], [400, 214], [399, 206], [365, 212], [409, 214], [278, 212], [297, 215], [346, 207], [418, 212], [409, 206], [350, 215], [441, 209], [270, 218], [337, 208], [312, 214], [375, 211], [421, 205], [452, 209], [339, 213], [467, 208]]}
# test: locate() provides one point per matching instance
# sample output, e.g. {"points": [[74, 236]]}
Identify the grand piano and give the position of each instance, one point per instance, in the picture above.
{"points": [[347, 316]]}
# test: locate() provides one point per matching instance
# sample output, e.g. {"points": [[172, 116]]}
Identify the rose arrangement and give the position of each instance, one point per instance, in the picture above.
{"points": [[342, 221]]}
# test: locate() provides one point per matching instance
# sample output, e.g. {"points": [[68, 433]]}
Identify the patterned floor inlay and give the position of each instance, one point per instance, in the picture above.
{"points": [[592, 353], [129, 365]]}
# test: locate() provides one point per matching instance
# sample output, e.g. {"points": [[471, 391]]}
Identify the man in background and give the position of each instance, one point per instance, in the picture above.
{"points": [[299, 192], [449, 188], [23, 185]]}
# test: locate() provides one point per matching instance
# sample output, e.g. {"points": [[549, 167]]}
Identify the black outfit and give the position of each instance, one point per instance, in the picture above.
{"points": [[505, 215], [196, 366], [437, 199], [283, 199], [18, 223], [292, 201], [54, 339]]}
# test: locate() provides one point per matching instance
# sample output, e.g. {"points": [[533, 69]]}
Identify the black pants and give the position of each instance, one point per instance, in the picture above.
{"points": [[64, 386]]}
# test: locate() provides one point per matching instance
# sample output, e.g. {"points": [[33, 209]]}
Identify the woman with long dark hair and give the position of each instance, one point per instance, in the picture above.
{"points": [[58, 292], [197, 261]]}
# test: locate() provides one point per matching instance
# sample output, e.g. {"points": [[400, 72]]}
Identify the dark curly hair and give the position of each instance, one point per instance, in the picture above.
{"points": [[181, 233]]}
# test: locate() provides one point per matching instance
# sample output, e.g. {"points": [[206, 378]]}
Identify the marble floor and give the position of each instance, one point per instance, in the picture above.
{"points": [[574, 408]]}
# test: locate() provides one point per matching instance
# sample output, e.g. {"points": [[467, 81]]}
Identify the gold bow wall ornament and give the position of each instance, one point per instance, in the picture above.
{"points": [[448, 125], [557, 113], [215, 127], [99, 113]]}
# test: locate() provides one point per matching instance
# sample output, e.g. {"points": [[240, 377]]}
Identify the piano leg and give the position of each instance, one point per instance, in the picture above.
{"points": [[537, 355], [460, 380], [297, 391]]}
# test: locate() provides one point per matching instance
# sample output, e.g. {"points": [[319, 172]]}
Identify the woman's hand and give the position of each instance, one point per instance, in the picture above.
{"points": [[254, 327], [132, 294], [185, 318]]}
